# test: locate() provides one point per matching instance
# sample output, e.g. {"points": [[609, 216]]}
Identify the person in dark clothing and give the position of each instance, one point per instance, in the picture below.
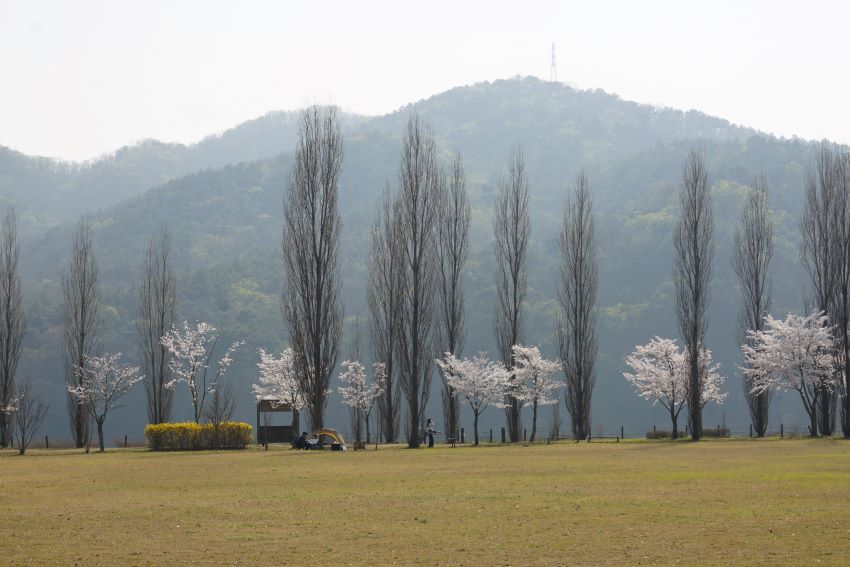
{"points": [[301, 442]]}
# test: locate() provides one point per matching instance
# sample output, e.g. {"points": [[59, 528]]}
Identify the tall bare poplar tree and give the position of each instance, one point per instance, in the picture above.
{"points": [[386, 285], [751, 260], [157, 307], [82, 325], [418, 201], [12, 325], [578, 326], [311, 307], [825, 253], [693, 259], [452, 250], [512, 229], [840, 315]]}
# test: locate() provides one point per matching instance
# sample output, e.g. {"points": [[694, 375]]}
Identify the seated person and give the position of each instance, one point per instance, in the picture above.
{"points": [[313, 442], [301, 442]]}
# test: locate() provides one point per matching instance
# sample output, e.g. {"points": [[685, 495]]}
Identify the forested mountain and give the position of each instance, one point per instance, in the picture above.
{"points": [[222, 201], [48, 192]]}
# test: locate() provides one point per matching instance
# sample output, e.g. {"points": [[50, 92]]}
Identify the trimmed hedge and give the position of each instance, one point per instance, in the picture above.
{"points": [[191, 436]]}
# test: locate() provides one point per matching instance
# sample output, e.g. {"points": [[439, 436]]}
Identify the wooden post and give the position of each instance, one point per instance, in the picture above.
{"points": [[781, 431], [653, 428], [491, 435], [751, 430], [686, 431], [462, 436], [523, 434], [46, 444], [621, 433], [258, 423], [503, 435], [125, 440]]}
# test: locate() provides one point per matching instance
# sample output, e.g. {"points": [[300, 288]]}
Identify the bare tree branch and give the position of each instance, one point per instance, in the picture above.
{"points": [[825, 253], [418, 201], [751, 259], [694, 255], [82, 325], [452, 251], [12, 324], [512, 230], [157, 312], [577, 329], [30, 411], [386, 283], [312, 310]]}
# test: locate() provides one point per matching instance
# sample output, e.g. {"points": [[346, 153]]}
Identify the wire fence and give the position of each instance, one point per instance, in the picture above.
{"points": [[489, 435], [67, 442]]}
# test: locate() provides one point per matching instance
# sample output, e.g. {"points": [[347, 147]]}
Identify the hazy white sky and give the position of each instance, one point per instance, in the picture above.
{"points": [[81, 78]]}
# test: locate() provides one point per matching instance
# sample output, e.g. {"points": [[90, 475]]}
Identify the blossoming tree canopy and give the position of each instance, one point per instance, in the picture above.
{"points": [[479, 380], [359, 394], [797, 353], [103, 381], [191, 351], [535, 377], [660, 374], [278, 381]]}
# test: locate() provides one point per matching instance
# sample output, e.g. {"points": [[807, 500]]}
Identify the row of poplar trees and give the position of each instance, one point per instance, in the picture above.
{"points": [[825, 254], [419, 247], [82, 324], [82, 330]]}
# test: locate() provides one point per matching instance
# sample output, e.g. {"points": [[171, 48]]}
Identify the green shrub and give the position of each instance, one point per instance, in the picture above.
{"points": [[659, 434], [191, 436]]}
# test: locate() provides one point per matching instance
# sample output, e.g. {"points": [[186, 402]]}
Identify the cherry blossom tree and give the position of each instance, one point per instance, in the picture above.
{"points": [[797, 353], [482, 382], [278, 379], [359, 394], [103, 380], [661, 375], [712, 379], [191, 351], [536, 385], [278, 382]]}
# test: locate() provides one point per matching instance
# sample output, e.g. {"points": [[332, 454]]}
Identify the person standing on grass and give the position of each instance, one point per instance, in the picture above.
{"points": [[430, 430]]}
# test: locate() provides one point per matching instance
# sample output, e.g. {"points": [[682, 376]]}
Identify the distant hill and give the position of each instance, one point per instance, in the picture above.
{"points": [[226, 222], [47, 192]]}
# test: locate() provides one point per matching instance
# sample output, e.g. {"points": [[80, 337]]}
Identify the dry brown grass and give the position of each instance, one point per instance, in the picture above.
{"points": [[715, 502]]}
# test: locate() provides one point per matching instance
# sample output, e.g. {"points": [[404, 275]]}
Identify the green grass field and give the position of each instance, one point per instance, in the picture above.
{"points": [[715, 502]]}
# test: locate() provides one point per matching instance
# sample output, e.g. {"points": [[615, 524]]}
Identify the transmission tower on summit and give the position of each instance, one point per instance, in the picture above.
{"points": [[553, 70]]}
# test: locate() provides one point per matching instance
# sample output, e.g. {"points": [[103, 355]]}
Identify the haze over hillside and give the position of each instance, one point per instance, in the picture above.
{"points": [[222, 198]]}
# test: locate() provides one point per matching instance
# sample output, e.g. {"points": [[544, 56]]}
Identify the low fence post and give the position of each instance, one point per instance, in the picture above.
{"points": [[462, 436], [621, 433], [751, 430], [523, 434], [125, 440], [46, 444], [491, 435], [653, 428], [781, 431], [503, 435]]}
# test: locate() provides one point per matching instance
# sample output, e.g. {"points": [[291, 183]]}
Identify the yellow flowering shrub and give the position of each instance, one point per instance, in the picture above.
{"points": [[190, 436]]}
